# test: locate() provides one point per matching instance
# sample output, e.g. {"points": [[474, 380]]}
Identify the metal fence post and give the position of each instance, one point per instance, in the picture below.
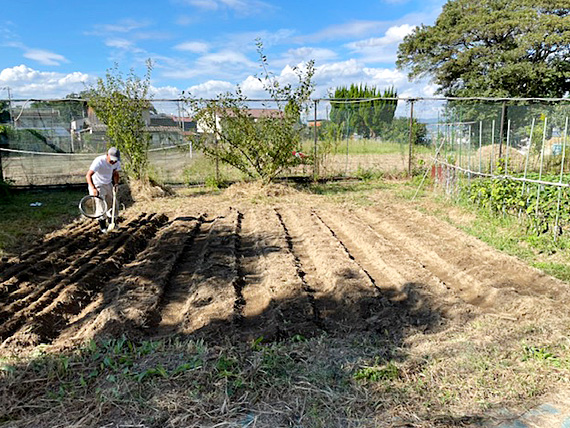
{"points": [[556, 228], [502, 132], [315, 148], [1, 170], [411, 137]]}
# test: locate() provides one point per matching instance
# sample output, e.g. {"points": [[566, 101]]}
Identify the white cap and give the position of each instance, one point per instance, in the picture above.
{"points": [[114, 154]]}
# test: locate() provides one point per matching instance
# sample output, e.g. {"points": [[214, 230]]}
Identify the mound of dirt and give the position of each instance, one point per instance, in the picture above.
{"points": [[257, 189], [148, 190], [490, 155]]}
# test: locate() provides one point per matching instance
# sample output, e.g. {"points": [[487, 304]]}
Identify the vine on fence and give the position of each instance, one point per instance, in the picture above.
{"points": [[546, 207]]}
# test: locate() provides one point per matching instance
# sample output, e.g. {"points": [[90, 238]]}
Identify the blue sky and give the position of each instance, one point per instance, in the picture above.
{"points": [[50, 48]]}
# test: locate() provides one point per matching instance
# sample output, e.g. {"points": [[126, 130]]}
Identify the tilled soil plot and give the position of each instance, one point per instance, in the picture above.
{"points": [[247, 271]]}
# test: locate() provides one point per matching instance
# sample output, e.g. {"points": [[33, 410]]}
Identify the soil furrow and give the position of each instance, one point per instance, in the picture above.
{"points": [[133, 300], [35, 296], [173, 303], [49, 249], [458, 268], [276, 303], [16, 290], [477, 259], [344, 247], [464, 285], [36, 270], [343, 292], [49, 321], [212, 293], [399, 276]]}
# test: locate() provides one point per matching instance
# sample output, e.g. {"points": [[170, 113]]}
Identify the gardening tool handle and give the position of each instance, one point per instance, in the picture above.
{"points": [[114, 205]]}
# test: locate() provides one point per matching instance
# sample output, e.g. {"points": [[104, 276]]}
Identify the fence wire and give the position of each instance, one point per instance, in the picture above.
{"points": [[511, 159], [54, 141]]}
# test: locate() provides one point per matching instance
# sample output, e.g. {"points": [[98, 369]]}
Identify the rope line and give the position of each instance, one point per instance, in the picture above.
{"points": [[29, 152]]}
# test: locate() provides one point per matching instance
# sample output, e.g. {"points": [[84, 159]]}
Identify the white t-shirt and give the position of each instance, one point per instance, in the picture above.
{"points": [[103, 170]]}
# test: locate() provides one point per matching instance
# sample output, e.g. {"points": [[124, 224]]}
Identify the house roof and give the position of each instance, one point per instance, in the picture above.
{"points": [[264, 112]]}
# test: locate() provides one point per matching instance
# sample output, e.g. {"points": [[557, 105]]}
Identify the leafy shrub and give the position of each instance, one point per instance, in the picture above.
{"points": [[259, 147], [544, 206]]}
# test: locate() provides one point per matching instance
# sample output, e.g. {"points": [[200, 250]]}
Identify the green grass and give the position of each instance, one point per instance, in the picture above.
{"points": [[506, 233], [22, 224], [366, 147]]}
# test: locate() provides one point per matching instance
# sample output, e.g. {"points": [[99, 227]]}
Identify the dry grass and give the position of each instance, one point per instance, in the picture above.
{"points": [[455, 376]]}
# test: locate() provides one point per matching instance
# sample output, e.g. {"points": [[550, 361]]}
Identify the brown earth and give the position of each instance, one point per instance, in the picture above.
{"points": [[246, 265]]}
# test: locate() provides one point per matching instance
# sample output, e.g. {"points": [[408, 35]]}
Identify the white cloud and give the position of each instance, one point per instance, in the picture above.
{"points": [[345, 69], [194, 47], [165, 92], [44, 57], [73, 79], [17, 74], [381, 49], [224, 58], [119, 43], [26, 82], [223, 64], [204, 4], [362, 28], [41, 56], [304, 54], [185, 20], [245, 7], [210, 89], [394, 35], [252, 87], [346, 30], [123, 26]]}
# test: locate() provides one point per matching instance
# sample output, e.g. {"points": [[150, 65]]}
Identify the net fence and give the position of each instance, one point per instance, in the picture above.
{"points": [[52, 142]]}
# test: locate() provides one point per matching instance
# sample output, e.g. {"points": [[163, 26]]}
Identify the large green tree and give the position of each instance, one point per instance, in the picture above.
{"points": [[496, 48]]}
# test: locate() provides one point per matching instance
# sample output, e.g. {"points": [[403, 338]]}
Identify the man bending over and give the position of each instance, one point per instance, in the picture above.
{"points": [[102, 176]]}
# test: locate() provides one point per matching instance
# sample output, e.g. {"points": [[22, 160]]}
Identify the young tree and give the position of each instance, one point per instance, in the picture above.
{"points": [[120, 103], [494, 48], [259, 147]]}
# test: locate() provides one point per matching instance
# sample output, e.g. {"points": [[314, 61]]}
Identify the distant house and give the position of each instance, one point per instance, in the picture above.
{"points": [[163, 129], [318, 123], [187, 124], [255, 114]]}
